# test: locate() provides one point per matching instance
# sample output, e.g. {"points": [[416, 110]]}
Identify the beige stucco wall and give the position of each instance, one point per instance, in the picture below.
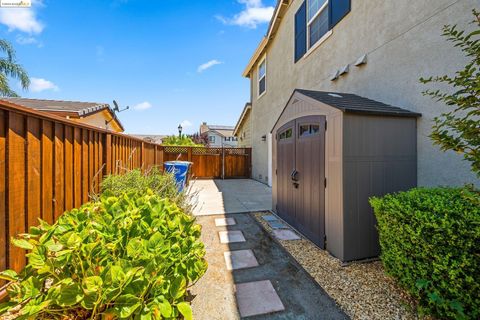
{"points": [[403, 41], [244, 133], [98, 120]]}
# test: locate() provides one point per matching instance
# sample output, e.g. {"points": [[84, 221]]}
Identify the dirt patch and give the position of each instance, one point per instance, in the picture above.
{"points": [[362, 290]]}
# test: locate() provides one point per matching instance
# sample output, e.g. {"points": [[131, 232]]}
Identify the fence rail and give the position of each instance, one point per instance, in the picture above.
{"points": [[49, 164]]}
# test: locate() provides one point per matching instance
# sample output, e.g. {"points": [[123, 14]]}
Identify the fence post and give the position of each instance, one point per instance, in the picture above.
{"points": [[223, 162], [107, 153], [189, 154], [142, 155]]}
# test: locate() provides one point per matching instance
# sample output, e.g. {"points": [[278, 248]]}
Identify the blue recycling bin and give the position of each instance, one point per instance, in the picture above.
{"points": [[180, 171]]}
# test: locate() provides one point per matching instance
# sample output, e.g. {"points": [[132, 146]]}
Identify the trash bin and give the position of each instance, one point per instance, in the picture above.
{"points": [[180, 170]]}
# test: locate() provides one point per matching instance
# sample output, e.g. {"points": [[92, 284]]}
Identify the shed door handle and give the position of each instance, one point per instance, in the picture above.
{"points": [[294, 175]]}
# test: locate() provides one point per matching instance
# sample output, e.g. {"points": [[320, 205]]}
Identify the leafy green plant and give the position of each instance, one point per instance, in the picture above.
{"points": [[459, 129], [430, 240], [180, 141], [163, 184], [126, 257]]}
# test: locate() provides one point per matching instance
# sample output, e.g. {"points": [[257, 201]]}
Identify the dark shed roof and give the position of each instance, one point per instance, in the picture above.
{"points": [[348, 102]]}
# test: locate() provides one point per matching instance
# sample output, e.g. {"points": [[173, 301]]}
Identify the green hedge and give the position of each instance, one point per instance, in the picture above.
{"points": [[126, 257], [430, 240]]}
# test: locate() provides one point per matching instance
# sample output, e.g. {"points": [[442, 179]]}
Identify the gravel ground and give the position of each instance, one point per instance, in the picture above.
{"points": [[362, 290]]}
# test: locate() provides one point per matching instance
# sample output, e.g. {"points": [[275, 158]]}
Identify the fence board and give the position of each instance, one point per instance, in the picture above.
{"points": [[48, 178], [16, 186], [3, 213], [59, 192], [33, 171]]}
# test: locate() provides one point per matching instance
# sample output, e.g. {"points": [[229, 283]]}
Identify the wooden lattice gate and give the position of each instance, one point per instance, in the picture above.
{"points": [[208, 163]]}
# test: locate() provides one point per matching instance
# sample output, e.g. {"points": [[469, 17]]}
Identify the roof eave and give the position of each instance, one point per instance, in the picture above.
{"points": [[247, 108], [278, 14]]}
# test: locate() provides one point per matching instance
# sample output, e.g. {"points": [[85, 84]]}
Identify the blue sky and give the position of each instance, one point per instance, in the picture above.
{"points": [[171, 61]]}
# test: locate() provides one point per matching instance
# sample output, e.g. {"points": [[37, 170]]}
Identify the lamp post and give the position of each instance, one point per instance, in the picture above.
{"points": [[180, 130]]}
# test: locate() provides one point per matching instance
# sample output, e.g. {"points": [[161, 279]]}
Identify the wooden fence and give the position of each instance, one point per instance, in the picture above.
{"points": [[49, 164]]}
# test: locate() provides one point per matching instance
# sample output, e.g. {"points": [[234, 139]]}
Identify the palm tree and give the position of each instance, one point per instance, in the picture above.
{"points": [[10, 69]]}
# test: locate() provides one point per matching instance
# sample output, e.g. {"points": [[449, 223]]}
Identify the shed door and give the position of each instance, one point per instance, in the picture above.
{"points": [[301, 176], [310, 165], [285, 166]]}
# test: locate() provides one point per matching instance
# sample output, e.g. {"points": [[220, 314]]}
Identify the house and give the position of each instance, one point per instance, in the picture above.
{"points": [[91, 113], [151, 138], [376, 49], [219, 136], [337, 113], [243, 128]]}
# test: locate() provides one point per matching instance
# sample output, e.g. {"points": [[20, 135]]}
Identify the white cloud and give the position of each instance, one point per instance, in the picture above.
{"points": [[207, 65], [186, 124], [28, 40], [143, 106], [39, 85], [22, 19], [255, 13]]}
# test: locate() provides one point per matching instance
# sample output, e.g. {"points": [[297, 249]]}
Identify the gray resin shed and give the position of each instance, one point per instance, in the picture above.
{"points": [[331, 152]]}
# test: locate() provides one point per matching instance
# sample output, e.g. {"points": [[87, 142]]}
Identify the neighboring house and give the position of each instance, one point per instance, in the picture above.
{"points": [[150, 137], [243, 128], [375, 49], [91, 113], [219, 136]]}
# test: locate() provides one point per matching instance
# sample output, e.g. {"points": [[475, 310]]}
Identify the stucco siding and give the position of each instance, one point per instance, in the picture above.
{"points": [[98, 120], [403, 42], [244, 134]]}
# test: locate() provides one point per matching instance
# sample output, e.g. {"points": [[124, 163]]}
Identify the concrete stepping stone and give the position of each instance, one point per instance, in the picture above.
{"points": [[222, 222], [269, 218], [240, 259], [256, 298], [231, 236], [285, 235], [277, 225]]}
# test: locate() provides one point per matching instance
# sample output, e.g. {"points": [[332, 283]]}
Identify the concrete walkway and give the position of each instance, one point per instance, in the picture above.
{"points": [[230, 196], [251, 276]]}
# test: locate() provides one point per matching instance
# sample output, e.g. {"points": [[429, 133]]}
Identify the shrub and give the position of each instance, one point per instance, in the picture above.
{"points": [[163, 184], [121, 257], [430, 240], [180, 141]]}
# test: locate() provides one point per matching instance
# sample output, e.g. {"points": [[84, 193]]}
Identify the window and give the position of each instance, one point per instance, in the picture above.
{"points": [[314, 19], [307, 130], [317, 22], [286, 134], [211, 139], [262, 77]]}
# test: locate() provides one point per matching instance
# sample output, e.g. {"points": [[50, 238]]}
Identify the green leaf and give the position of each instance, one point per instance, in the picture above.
{"points": [[22, 243], [93, 283], [69, 293], [9, 275], [134, 248], [165, 308], [185, 310], [178, 287], [126, 305]]}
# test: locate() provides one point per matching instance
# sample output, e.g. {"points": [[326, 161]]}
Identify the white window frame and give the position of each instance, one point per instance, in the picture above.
{"points": [[264, 60], [211, 139], [323, 7]]}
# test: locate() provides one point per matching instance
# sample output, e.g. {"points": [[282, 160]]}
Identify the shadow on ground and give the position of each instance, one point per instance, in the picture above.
{"points": [[215, 292]]}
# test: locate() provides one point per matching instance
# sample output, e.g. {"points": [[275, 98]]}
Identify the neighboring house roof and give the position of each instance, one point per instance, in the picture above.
{"points": [[66, 108], [223, 133], [353, 103], [158, 139], [216, 127], [246, 110], [278, 14]]}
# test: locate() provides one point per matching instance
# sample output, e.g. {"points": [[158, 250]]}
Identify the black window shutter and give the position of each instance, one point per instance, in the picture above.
{"points": [[301, 31], [337, 10]]}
